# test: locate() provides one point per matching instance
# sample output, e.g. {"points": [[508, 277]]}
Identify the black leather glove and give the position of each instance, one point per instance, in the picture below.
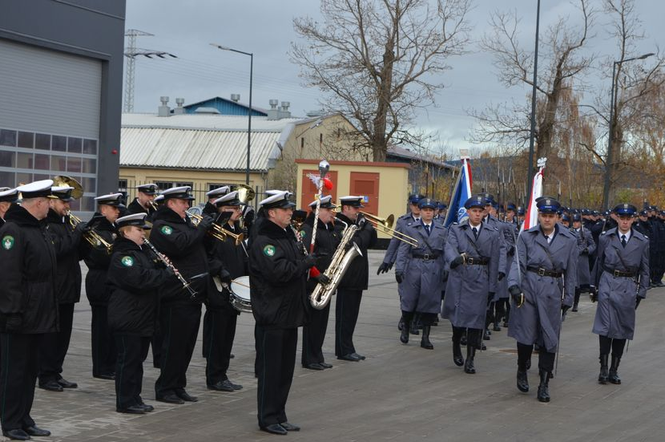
{"points": [[322, 279], [593, 293], [637, 302], [457, 261], [517, 295], [225, 276], [384, 268], [399, 277], [81, 228], [309, 261], [205, 223], [511, 251], [585, 251], [501, 276], [564, 309]]}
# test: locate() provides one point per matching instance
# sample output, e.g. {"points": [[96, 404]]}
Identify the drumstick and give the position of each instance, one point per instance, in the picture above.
{"points": [[240, 283]]}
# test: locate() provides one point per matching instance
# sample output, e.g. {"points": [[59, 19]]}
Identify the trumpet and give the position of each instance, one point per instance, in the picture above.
{"points": [[386, 224], [153, 205], [93, 238], [218, 232]]}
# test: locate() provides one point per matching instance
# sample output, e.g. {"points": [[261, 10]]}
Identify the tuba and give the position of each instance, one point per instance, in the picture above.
{"points": [[341, 259]]}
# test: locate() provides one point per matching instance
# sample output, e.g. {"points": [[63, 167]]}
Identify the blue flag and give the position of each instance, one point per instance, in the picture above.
{"points": [[461, 193]]}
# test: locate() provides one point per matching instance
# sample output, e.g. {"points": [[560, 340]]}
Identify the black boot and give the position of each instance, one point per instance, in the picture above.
{"points": [[603, 377], [458, 359], [414, 327], [400, 324], [613, 375], [404, 335], [462, 340], [470, 354], [522, 381], [577, 300], [486, 335], [543, 388], [424, 341]]}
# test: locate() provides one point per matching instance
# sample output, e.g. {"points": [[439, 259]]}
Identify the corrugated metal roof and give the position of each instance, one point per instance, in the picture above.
{"points": [[196, 149], [207, 122]]}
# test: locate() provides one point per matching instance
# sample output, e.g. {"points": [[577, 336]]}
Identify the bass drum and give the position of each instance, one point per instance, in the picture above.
{"points": [[240, 297]]}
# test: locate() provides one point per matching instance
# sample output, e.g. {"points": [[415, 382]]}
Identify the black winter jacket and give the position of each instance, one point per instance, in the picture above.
{"points": [[28, 303], [278, 274], [134, 280], [98, 260], [327, 240], [66, 242], [136, 207], [357, 275], [233, 259]]}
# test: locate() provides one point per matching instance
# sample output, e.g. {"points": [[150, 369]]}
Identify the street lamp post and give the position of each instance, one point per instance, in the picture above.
{"points": [[249, 112], [610, 136]]}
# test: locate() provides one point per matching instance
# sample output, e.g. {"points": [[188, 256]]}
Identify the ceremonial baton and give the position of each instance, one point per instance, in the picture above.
{"points": [[324, 167]]}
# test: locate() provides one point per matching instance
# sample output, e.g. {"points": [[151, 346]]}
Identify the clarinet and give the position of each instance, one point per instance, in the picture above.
{"points": [[299, 240], [162, 258]]}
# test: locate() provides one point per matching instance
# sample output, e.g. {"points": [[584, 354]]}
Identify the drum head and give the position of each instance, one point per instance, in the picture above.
{"points": [[240, 288]]}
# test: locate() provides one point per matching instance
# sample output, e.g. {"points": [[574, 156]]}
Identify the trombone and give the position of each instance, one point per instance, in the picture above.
{"points": [[217, 231], [386, 224], [93, 238]]}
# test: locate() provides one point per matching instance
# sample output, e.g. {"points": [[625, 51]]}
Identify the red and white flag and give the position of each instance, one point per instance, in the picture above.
{"points": [[531, 216]]}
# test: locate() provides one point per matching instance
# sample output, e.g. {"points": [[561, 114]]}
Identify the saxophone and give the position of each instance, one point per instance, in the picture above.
{"points": [[341, 259]]}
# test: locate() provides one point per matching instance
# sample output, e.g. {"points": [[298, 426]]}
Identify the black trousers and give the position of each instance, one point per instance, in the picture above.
{"points": [[20, 366], [545, 358], [132, 351], [156, 345], [617, 346], [473, 336], [103, 344], [219, 331], [313, 335], [423, 318], [346, 317], [54, 346], [276, 359], [180, 327]]}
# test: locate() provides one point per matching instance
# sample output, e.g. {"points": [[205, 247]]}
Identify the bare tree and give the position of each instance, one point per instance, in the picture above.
{"points": [[376, 60], [562, 60]]}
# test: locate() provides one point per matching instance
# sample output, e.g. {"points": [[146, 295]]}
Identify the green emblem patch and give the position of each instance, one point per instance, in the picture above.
{"points": [[8, 242], [302, 233], [269, 250], [127, 261], [167, 230]]}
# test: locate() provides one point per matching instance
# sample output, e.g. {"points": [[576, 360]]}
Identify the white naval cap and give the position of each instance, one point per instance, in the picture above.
{"points": [[352, 200], [36, 189], [180, 192], [159, 199], [279, 200], [8, 195], [135, 219], [148, 189], [230, 199], [220, 191], [112, 199], [326, 203], [63, 193]]}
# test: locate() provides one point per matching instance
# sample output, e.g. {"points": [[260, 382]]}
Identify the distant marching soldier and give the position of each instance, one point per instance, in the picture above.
{"points": [[219, 322], [491, 209], [419, 270], [144, 201], [544, 269], [642, 223], [327, 241], [389, 258], [98, 258], [28, 306], [472, 253], [586, 248], [66, 241], [210, 208], [622, 277]]}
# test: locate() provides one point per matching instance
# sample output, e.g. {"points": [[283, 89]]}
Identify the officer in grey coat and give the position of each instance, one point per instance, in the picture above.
{"points": [[621, 274], [419, 271], [586, 246], [472, 253], [542, 285]]}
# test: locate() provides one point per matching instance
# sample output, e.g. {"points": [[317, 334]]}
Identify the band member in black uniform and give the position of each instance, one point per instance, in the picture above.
{"points": [[98, 258], [144, 201], [210, 208], [219, 322], [28, 263], [350, 289], [134, 278], [327, 240], [7, 197], [66, 241], [174, 235], [278, 275]]}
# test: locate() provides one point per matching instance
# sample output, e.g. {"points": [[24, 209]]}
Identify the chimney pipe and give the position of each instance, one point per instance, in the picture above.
{"points": [[164, 110], [235, 97], [273, 112], [179, 110]]}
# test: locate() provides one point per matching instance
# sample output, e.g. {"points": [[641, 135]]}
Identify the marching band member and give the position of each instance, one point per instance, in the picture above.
{"points": [[219, 322], [621, 274], [545, 266], [472, 253], [144, 201], [278, 276], [327, 241], [210, 208], [28, 262], [7, 197], [98, 258], [350, 289], [134, 279], [68, 289], [420, 271]]}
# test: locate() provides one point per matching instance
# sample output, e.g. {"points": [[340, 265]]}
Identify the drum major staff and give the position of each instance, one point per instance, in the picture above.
{"points": [[278, 275]]}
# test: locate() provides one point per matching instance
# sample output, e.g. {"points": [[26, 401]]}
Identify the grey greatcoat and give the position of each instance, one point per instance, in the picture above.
{"points": [[502, 228], [465, 304], [422, 268], [584, 242], [538, 321], [615, 315], [509, 233]]}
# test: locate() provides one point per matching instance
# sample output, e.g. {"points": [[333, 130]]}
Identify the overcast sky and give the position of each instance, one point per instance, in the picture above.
{"points": [[265, 27]]}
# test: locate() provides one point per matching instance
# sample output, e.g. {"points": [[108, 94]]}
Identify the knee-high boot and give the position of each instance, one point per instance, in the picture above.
{"points": [[613, 375], [603, 377], [424, 341], [470, 354], [543, 388]]}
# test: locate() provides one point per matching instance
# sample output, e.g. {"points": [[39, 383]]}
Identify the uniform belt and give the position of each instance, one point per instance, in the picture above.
{"points": [[425, 256], [477, 261], [544, 272], [619, 273]]}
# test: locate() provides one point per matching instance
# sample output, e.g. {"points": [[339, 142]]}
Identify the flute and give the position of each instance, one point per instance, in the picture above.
{"points": [[162, 258]]}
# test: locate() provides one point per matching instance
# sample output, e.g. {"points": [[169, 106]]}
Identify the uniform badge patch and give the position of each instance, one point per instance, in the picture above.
{"points": [[269, 250], [167, 230], [8, 242], [302, 233], [127, 261]]}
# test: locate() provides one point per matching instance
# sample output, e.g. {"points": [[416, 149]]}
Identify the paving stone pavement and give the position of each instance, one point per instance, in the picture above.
{"points": [[401, 392]]}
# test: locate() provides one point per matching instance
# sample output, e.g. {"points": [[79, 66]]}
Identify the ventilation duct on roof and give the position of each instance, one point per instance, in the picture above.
{"points": [[235, 97], [284, 110], [164, 110], [273, 112], [179, 110]]}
